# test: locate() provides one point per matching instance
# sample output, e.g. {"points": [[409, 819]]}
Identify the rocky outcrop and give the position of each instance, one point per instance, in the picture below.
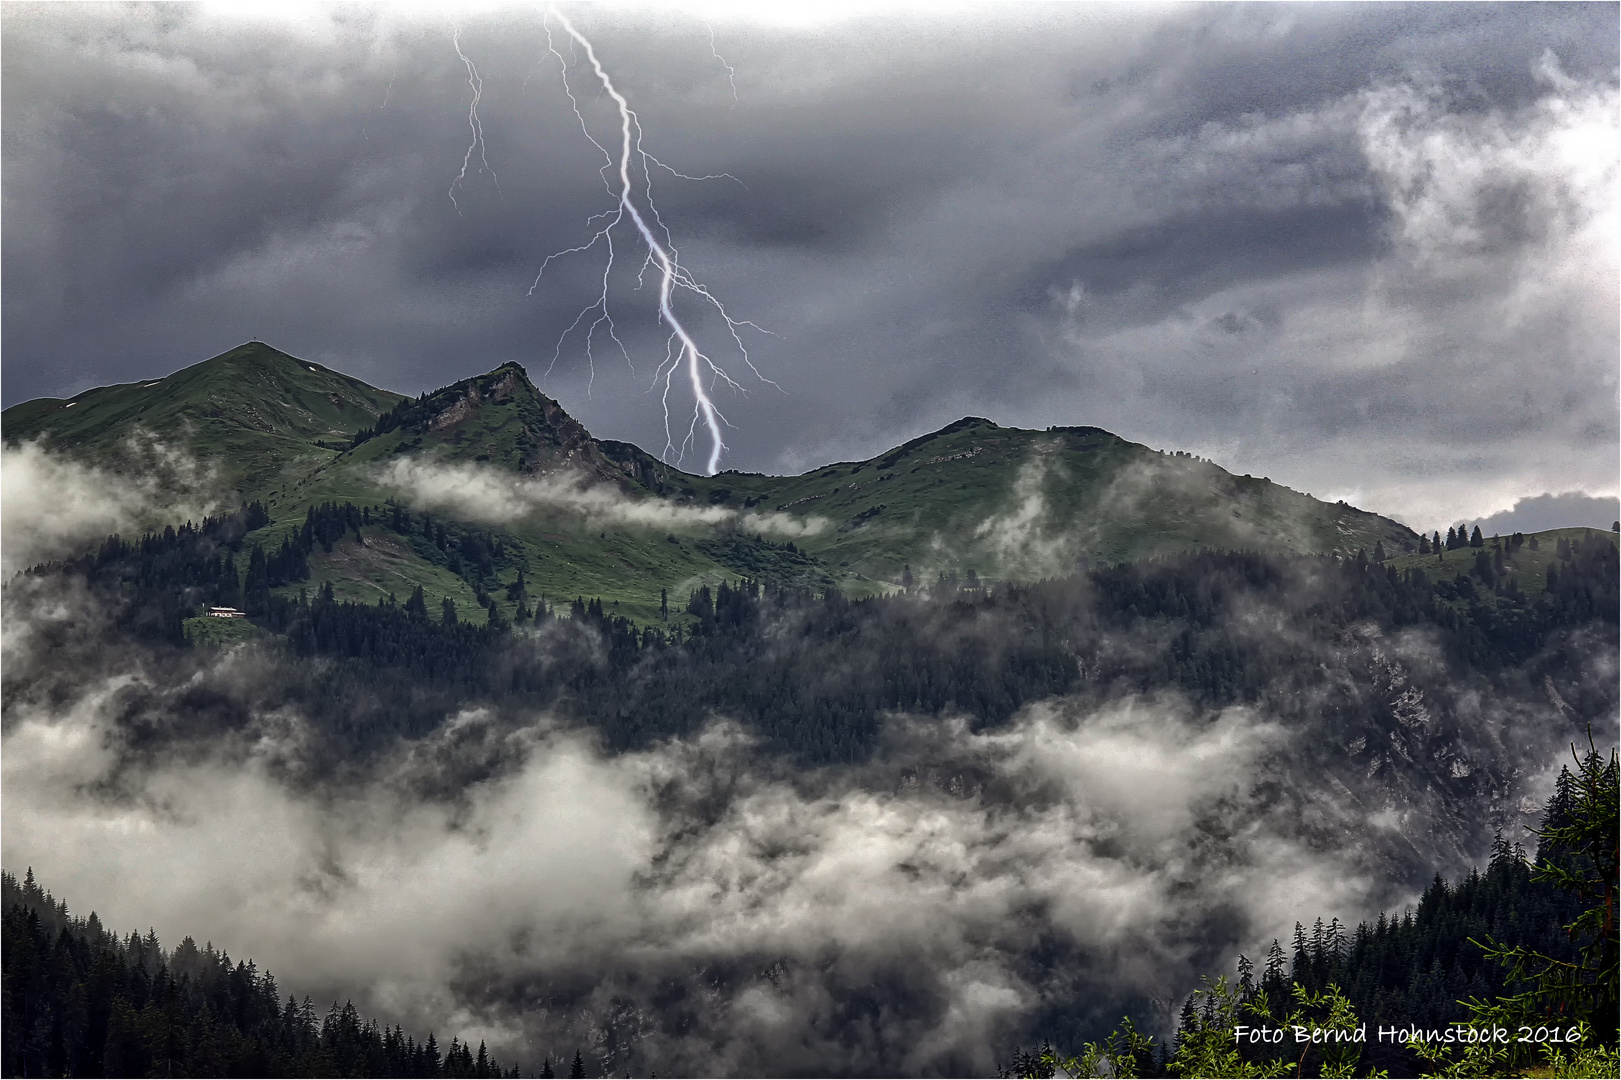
{"points": [[502, 417]]}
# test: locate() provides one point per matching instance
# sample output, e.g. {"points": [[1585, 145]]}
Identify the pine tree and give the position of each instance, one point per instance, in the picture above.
{"points": [[1475, 539], [1273, 976], [1300, 962], [578, 1068], [417, 605]]}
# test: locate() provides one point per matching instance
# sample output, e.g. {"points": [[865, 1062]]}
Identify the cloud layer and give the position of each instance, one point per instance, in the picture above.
{"points": [[564, 900]]}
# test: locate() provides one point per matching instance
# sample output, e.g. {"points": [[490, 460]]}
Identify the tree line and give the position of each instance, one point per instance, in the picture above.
{"points": [[79, 1000], [1529, 942], [814, 673]]}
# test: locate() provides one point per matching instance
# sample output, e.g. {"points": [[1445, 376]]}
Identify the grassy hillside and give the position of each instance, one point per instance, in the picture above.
{"points": [[1002, 503], [1012, 503], [258, 415], [1518, 567]]}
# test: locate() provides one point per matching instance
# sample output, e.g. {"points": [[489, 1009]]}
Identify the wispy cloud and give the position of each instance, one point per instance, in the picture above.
{"points": [[490, 495], [52, 506]]}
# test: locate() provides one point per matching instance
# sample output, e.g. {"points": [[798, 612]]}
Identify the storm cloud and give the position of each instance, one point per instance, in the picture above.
{"points": [[1367, 251]]}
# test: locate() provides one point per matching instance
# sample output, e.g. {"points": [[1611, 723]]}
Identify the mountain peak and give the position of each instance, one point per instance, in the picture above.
{"points": [[253, 399], [502, 418]]}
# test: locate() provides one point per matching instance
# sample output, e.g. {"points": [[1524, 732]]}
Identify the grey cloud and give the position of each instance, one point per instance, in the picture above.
{"points": [[919, 197], [555, 902], [1550, 511], [491, 495]]}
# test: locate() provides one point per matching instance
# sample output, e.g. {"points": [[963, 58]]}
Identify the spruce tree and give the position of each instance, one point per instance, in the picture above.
{"points": [[1272, 979], [417, 606]]}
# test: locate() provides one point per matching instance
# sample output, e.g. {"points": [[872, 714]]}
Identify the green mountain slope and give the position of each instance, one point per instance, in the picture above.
{"points": [[1505, 571], [258, 414], [973, 498], [1013, 503]]}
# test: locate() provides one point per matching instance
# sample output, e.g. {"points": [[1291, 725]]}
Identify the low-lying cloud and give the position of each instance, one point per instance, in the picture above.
{"points": [[52, 506], [1024, 539], [693, 907], [496, 497]]}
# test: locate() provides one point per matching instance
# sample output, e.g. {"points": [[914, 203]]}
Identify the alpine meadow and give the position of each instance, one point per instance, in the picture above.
{"points": [[1024, 540]]}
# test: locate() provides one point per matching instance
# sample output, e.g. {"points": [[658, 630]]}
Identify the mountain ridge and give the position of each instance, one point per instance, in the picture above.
{"points": [[972, 498]]}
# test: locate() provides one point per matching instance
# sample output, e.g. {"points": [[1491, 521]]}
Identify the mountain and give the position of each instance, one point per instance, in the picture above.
{"points": [[1089, 790], [255, 412], [972, 501], [502, 419]]}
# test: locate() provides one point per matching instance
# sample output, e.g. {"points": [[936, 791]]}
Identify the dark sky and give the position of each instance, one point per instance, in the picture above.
{"points": [[1368, 251]]}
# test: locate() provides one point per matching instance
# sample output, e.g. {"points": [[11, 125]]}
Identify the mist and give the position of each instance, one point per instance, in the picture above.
{"points": [[702, 904], [563, 900], [52, 506], [495, 497]]}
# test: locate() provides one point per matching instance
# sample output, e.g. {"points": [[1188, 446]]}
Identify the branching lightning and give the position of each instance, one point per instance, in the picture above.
{"points": [[731, 72], [622, 176], [477, 143]]}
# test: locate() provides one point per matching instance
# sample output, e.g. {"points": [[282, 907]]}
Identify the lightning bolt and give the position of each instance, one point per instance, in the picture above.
{"points": [[477, 143], [731, 72], [622, 178]]}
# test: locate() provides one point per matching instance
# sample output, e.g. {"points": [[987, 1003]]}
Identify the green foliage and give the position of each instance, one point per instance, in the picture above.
{"points": [[986, 652], [1320, 1030], [1124, 1054], [1228, 1030], [1578, 851], [1562, 996], [1555, 1007]]}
